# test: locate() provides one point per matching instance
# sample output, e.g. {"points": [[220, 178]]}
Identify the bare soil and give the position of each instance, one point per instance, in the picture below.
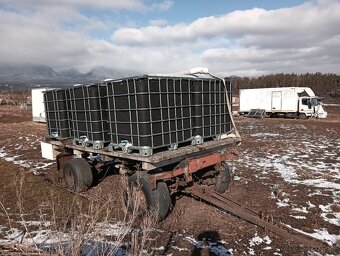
{"points": [[280, 160]]}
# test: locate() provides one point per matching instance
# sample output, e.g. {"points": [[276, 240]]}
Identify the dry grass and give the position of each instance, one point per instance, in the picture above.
{"points": [[15, 97], [80, 228]]}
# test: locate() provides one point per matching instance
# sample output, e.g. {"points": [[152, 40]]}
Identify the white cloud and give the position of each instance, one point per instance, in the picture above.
{"points": [[162, 6], [304, 38], [158, 22], [310, 21]]}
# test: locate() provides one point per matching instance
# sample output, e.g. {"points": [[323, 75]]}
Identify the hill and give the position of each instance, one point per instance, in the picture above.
{"points": [[17, 76]]}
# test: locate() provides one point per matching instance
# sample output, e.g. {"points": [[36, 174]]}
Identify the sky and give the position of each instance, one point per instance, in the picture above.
{"points": [[245, 37]]}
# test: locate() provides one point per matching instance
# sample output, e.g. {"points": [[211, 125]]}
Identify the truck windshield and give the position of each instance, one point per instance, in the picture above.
{"points": [[314, 101]]}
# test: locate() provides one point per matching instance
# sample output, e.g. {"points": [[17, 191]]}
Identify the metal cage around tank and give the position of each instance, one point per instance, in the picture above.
{"points": [[57, 113], [88, 113], [150, 113], [210, 114]]}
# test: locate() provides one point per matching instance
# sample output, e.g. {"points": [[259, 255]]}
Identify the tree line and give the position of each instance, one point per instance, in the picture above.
{"points": [[320, 83]]}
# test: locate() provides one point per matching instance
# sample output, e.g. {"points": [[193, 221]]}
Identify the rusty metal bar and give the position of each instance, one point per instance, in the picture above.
{"points": [[251, 216], [195, 164]]}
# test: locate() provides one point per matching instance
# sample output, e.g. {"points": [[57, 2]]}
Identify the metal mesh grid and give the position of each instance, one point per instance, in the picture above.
{"points": [[88, 112], [210, 112], [57, 115], [156, 112]]}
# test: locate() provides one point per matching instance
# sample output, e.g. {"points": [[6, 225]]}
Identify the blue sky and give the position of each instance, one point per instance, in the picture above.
{"points": [[229, 37], [189, 10]]}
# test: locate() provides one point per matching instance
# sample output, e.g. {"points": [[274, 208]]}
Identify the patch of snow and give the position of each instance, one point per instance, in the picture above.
{"points": [[24, 163], [112, 229], [251, 251], [256, 240], [47, 239], [310, 205], [298, 217], [161, 248], [282, 203], [2, 153], [180, 248], [215, 247], [331, 104], [237, 178], [319, 183], [325, 208], [315, 193], [302, 209], [35, 223], [320, 234], [264, 134], [333, 218], [43, 165]]}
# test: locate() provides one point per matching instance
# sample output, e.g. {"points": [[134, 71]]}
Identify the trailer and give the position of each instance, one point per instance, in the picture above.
{"points": [[290, 102], [165, 133]]}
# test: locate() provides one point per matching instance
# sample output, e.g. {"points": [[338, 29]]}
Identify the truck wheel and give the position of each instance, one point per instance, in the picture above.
{"points": [[302, 116], [223, 178], [77, 175], [158, 199]]}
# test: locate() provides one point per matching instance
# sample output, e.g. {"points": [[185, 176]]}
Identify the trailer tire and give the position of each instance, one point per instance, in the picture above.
{"points": [[223, 178], [77, 175], [157, 199]]}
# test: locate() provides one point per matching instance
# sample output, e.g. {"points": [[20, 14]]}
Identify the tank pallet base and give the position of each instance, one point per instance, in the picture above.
{"points": [[146, 151], [91, 144]]}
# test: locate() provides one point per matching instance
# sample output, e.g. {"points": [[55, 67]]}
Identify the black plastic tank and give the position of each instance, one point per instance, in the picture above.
{"points": [[152, 113], [89, 116], [57, 114], [210, 113]]}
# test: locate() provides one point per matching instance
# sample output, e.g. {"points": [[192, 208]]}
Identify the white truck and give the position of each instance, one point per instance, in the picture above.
{"points": [[38, 108], [289, 102]]}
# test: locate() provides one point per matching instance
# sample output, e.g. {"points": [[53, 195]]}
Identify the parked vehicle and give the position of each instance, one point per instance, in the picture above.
{"points": [[290, 102], [164, 132], [38, 108]]}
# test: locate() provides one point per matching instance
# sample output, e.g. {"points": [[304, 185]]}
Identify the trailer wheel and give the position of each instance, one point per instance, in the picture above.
{"points": [[77, 175], [223, 178], [158, 199]]}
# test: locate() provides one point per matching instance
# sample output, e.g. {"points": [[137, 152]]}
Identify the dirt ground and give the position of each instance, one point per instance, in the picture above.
{"points": [[287, 168]]}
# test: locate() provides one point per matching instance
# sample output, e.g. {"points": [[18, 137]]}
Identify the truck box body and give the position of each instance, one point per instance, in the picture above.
{"points": [[284, 99], [38, 107], [291, 102]]}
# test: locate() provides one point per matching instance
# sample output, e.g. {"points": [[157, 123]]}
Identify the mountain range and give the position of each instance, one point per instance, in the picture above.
{"points": [[33, 75]]}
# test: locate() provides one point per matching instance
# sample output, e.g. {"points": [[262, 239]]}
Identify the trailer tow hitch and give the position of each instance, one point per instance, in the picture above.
{"points": [[251, 216]]}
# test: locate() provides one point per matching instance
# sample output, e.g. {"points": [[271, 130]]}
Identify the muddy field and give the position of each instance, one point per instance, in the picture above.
{"points": [[287, 168]]}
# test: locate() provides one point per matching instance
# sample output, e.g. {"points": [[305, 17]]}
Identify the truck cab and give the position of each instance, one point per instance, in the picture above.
{"points": [[311, 107]]}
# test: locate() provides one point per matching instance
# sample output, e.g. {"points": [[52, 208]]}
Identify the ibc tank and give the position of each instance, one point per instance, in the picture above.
{"points": [[57, 115], [88, 112], [152, 113]]}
